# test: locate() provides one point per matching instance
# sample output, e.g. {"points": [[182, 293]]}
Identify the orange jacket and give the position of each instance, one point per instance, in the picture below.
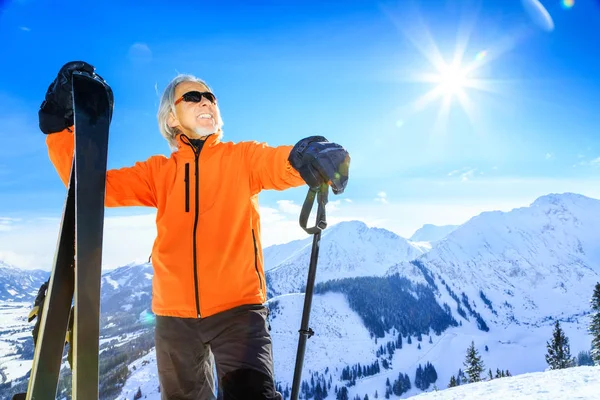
{"points": [[207, 256]]}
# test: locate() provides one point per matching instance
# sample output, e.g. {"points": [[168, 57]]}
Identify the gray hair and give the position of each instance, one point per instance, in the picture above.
{"points": [[167, 106]]}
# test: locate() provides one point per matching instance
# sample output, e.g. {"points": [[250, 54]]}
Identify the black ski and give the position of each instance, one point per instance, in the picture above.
{"points": [[77, 264], [92, 120]]}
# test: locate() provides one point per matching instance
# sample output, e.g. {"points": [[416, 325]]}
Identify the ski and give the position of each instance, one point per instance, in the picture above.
{"points": [[76, 273], [92, 120]]}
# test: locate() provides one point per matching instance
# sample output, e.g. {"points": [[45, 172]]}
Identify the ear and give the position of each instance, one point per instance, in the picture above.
{"points": [[172, 121]]}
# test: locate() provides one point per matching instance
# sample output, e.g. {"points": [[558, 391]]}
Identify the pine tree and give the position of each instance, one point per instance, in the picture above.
{"points": [[138, 395], [376, 395], [452, 382], [490, 374], [473, 364], [595, 325], [342, 393], [559, 353]]}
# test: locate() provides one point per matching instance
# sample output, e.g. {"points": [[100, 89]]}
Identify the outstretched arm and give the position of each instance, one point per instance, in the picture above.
{"points": [[269, 167], [130, 186]]}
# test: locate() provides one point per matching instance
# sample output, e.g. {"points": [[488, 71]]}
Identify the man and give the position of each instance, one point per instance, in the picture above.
{"points": [[209, 284]]}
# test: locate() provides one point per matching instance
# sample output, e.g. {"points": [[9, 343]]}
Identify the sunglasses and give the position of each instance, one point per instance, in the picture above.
{"points": [[196, 97]]}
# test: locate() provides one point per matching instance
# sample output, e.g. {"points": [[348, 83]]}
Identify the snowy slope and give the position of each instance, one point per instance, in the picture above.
{"points": [[432, 233], [348, 249], [534, 264], [541, 260], [279, 253], [582, 383], [341, 339], [20, 285]]}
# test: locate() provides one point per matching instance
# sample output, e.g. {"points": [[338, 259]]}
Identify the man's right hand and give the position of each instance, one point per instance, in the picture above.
{"points": [[56, 111]]}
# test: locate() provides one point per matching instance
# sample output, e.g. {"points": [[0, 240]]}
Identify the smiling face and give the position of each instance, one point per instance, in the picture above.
{"points": [[195, 120]]}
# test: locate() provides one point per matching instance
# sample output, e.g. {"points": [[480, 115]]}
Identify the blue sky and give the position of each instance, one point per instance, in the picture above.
{"points": [[283, 70]]}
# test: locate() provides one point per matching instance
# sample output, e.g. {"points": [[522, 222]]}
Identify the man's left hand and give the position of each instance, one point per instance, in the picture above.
{"points": [[320, 161]]}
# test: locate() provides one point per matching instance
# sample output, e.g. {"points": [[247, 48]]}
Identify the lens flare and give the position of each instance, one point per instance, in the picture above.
{"points": [[568, 3], [147, 318], [481, 55]]}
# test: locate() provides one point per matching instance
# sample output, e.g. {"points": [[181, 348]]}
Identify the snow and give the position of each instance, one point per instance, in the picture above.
{"points": [[16, 368], [12, 292], [111, 281], [348, 249], [581, 383], [432, 233], [543, 259], [144, 377], [13, 320], [536, 264], [337, 328]]}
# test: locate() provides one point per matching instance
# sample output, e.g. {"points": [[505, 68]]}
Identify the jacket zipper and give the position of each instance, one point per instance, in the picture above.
{"points": [[197, 211], [187, 187], [256, 260]]}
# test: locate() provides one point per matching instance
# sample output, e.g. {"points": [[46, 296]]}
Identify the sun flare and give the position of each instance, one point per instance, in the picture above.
{"points": [[452, 79]]}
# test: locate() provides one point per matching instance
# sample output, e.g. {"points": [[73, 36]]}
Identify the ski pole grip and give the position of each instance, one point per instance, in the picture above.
{"points": [[321, 192]]}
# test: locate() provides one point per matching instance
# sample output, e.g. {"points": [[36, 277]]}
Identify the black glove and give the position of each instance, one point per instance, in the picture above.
{"points": [[319, 161], [56, 111]]}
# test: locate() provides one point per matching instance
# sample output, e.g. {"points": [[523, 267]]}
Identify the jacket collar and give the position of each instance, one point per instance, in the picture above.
{"points": [[186, 145]]}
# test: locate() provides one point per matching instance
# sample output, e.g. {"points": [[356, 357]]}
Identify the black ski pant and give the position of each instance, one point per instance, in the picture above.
{"points": [[235, 344]]}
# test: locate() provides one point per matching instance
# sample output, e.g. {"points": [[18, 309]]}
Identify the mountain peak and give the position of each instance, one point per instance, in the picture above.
{"points": [[348, 249], [432, 233], [353, 225], [559, 199]]}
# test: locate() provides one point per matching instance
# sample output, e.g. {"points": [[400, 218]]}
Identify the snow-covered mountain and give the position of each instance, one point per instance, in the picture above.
{"points": [[20, 285], [524, 266], [341, 340], [348, 249], [432, 233], [126, 288], [278, 253], [499, 280]]}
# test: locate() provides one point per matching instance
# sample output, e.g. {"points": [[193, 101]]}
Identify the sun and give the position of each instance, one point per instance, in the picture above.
{"points": [[452, 80]]}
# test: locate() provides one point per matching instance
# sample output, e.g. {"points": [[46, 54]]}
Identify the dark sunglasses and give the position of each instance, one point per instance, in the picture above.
{"points": [[196, 97]]}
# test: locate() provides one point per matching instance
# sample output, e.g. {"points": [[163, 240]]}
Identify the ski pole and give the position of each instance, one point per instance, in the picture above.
{"points": [[305, 332]]}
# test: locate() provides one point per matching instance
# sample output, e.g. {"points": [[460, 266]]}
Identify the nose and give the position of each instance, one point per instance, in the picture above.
{"points": [[203, 103]]}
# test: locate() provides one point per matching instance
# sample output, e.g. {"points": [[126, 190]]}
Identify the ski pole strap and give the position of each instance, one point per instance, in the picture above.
{"points": [[321, 193]]}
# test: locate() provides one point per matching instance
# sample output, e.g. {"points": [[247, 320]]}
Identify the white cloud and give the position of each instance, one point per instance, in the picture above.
{"points": [[6, 224], [591, 163], [289, 207], [333, 206], [549, 156], [465, 173], [140, 52], [30, 242], [24, 28], [381, 198], [465, 176]]}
